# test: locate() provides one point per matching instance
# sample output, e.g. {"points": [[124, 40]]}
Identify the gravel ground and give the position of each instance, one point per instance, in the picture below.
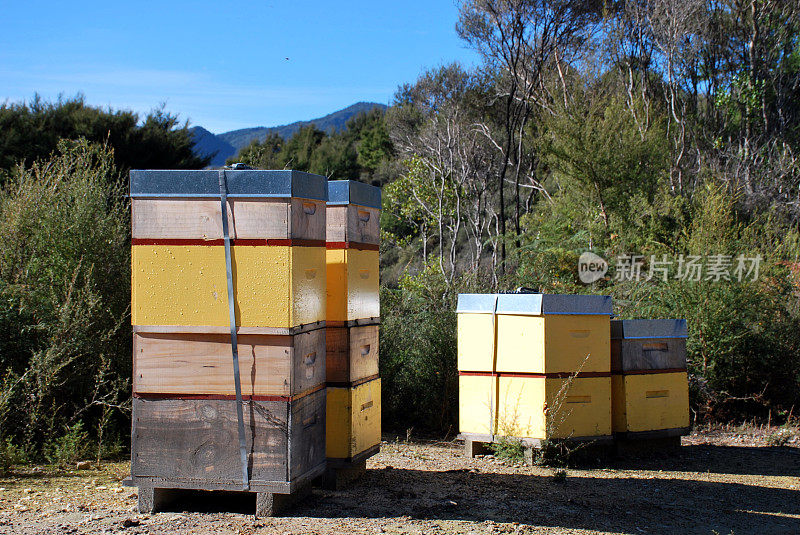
{"points": [[720, 481]]}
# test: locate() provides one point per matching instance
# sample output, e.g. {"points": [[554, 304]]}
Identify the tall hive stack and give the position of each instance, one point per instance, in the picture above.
{"points": [[353, 317], [185, 423], [534, 366], [650, 393]]}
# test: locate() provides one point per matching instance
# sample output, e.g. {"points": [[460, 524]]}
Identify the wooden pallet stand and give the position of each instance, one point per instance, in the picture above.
{"points": [[186, 424], [480, 444]]}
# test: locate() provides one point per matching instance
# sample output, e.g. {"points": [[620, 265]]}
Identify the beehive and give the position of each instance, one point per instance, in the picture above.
{"points": [[353, 239], [354, 388], [534, 365], [185, 423], [650, 391]]}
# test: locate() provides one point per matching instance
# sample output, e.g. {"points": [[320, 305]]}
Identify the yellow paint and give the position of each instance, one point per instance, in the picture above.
{"points": [[535, 407], [352, 284], [475, 342], [308, 285], [651, 402], [477, 404], [618, 416], [186, 285], [521, 412], [353, 419], [553, 343]]}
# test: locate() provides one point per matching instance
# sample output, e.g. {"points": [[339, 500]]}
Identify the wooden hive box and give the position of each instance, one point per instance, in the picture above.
{"points": [[353, 239], [650, 391], [353, 422], [534, 365], [185, 423], [277, 226], [351, 355]]}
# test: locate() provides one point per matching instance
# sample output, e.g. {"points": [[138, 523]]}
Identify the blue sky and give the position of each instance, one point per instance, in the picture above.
{"points": [[223, 64]]}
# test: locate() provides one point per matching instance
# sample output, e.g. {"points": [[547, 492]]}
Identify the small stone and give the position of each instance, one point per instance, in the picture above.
{"points": [[130, 522], [27, 491], [101, 487], [83, 465]]}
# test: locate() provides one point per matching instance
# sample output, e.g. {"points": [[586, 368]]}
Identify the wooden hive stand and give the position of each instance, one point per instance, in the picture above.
{"points": [[193, 426], [353, 317], [534, 367]]}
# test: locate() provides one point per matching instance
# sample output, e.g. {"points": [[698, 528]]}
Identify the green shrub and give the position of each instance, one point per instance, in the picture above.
{"points": [[72, 446], [11, 455], [65, 350], [509, 449]]}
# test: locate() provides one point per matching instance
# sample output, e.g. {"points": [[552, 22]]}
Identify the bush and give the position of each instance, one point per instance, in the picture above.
{"points": [[70, 447], [10, 455], [65, 352], [418, 352], [509, 449]]}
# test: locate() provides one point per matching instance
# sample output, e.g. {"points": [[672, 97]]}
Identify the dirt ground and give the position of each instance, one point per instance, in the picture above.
{"points": [[720, 481]]}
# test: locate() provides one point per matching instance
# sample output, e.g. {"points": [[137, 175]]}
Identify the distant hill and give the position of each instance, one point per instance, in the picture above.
{"points": [[207, 143], [228, 144]]}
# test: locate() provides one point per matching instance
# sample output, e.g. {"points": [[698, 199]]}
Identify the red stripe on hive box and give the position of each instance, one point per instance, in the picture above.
{"points": [[292, 242], [352, 245], [552, 375], [227, 397], [650, 372]]}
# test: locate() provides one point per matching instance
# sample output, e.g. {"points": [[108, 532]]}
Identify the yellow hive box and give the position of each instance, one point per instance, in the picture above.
{"points": [[274, 286], [539, 407], [352, 285], [353, 425], [517, 351], [650, 402], [650, 391], [535, 407], [353, 238], [477, 404], [533, 333]]}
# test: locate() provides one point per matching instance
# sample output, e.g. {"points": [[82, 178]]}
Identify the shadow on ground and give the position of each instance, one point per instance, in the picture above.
{"points": [[649, 503]]}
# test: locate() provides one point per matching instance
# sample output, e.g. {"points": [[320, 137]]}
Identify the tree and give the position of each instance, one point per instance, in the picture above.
{"points": [[31, 131]]}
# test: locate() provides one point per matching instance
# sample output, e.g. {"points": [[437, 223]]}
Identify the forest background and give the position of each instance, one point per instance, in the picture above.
{"points": [[661, 135]]}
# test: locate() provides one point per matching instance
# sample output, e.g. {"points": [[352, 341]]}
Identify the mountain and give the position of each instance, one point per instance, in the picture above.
{"points": [[228, 144], [206, 143]]}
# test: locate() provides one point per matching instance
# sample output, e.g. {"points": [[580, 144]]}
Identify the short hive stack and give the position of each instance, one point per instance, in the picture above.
{"points": [[534, 366], [650, 391], [353, 317], [186, 419]]}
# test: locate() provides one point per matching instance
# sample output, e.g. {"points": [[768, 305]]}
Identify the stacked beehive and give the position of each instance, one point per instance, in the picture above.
{"points": [[650, 393], [534, 366], [186, 418], [353, 316]]}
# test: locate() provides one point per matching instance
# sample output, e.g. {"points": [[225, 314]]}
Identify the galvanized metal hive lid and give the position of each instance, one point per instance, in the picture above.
{"points": [[632, 329], [534, 304], [245, 183], [342, 192]]}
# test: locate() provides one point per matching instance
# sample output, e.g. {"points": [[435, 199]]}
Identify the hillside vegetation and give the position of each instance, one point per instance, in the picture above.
{"points": [[662, 136]]}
